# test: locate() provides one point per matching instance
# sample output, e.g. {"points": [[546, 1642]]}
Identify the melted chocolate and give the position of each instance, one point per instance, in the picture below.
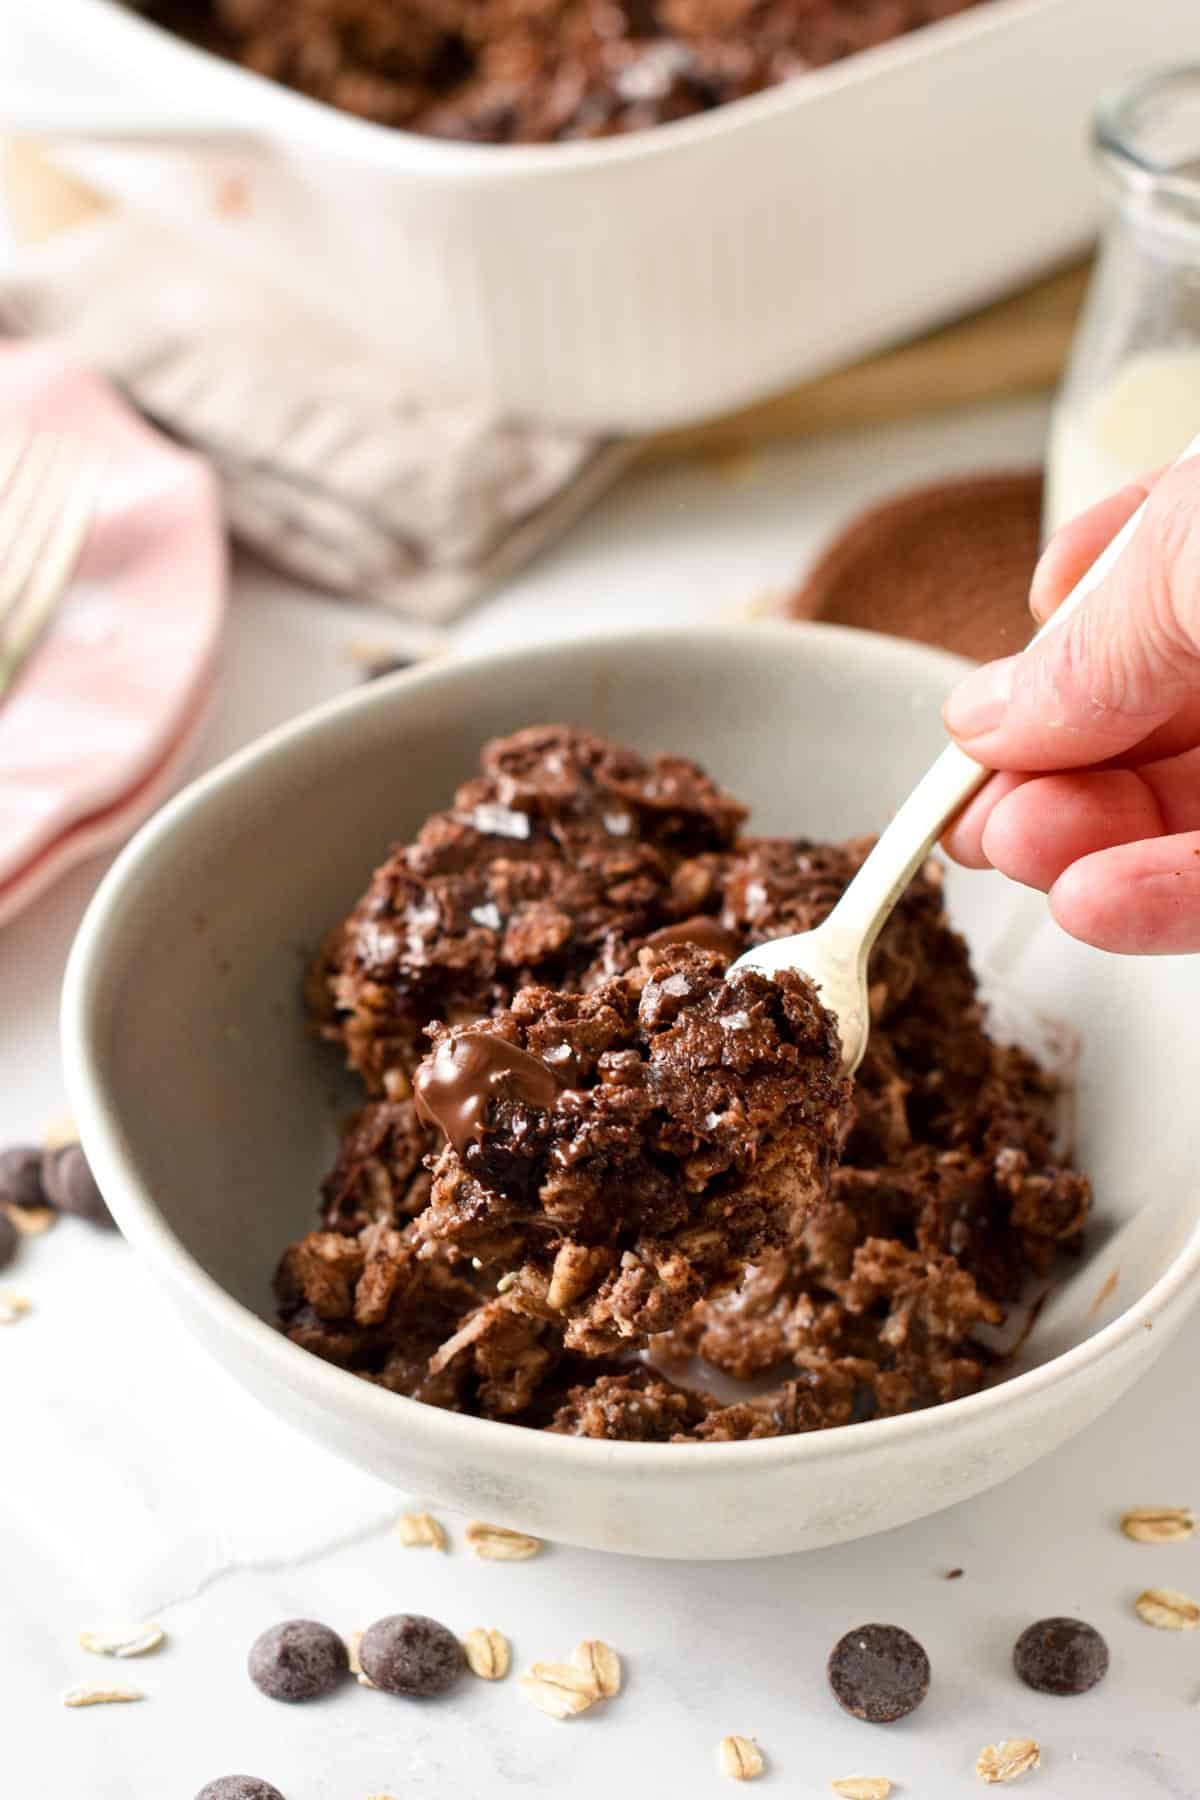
{"points": [[454, 1087], [706, 933]]}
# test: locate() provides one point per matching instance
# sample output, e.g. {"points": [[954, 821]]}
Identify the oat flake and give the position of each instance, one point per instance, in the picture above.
{"points": [[60, 1131], [1158, 1524], [740, 1758], [100, 1696], [31, 1221], [356, 1669], [496, 1543], [863, 1787], [601, 1662], [1167, 1609], [1007, 1761], [12, 1307], [136, 1640], [559, 1689], [487, 1653], [420, 1531]]}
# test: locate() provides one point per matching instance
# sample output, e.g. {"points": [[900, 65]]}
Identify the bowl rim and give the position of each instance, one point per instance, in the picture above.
{"points": [[279, 107], [1162, 1304]]}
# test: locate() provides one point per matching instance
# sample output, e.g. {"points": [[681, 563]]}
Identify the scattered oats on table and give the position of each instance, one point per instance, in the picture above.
{"points": [[1007, 1761], [487, 1653], [420, 1531], [863, 1787], [740, 1758], [1158, 1524], [1167, 1609], [559, 1689], [601, 1662], [100, 1696], [134, 1640], [496, 1543], [13, 1307]]}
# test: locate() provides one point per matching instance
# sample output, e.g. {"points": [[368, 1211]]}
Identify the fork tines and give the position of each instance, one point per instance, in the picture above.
{"points": [[49, 489]]}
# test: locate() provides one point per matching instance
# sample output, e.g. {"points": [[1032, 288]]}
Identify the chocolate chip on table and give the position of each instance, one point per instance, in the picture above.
{"points": [[69, 1184], [1061, 1656], [411, 1655], [297, 1660], [238, 1787], [8, 1240], [21, 1177], [879, 1673]]}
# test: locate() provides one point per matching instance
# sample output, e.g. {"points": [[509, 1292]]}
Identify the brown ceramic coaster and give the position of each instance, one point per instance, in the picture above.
{"points": [[948, 564]]}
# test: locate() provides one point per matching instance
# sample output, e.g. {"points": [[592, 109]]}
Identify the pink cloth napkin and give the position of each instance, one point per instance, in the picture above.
{"points": [[95, 730]]}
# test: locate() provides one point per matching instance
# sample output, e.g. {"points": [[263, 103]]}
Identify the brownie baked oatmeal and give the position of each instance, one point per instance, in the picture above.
{"points": [[536, 71], [562, 854], [598, 1189], [620, 1154]]}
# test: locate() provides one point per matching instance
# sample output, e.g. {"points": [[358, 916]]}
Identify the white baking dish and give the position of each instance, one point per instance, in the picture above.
{"points": [[647, 280]]}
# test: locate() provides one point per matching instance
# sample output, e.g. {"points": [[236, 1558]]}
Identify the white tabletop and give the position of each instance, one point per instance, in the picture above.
{"points": [[709, 1649]]}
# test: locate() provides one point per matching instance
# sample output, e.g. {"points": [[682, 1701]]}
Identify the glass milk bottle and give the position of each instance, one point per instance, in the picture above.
{"points": [[1131, 397]]}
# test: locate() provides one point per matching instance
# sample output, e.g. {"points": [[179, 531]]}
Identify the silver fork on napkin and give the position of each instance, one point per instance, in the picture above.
{"points": [[49, 491]]}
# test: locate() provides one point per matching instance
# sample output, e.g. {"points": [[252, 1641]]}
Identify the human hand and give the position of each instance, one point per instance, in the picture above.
{"points": [[1096, 732]]}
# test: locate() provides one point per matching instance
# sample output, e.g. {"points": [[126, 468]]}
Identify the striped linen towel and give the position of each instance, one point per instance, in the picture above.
{"points": [[332, 468]]}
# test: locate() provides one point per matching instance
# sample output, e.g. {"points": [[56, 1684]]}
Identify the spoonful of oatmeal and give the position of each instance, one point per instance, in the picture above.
{"points": [[623, 1153], [834, 955]]}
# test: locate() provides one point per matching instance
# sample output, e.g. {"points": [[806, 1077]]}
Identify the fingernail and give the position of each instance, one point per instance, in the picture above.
{"points": [[977, 704], [1041, 605]]}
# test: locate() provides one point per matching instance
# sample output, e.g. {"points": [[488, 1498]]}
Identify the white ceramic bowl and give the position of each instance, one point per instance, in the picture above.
{"points": [[639, 281], [207, 1114]]}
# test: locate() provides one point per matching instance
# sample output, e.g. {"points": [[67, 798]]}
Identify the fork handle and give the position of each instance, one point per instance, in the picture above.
{"points": [[945, 788]]}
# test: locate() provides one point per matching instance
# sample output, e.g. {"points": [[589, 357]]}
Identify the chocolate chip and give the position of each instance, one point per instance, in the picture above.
{"points": [[238, 1787], [9, 1238], [1061, 1656], [298, 1660], [408, 1654], [69, 1184], [879, 1673], [21, 1177]]}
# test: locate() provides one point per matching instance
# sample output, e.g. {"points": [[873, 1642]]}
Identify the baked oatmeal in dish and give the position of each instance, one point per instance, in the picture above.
{"points": [[596, 1188], [535, 71]]}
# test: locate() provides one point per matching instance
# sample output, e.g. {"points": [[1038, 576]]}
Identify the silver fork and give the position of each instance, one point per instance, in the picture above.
{"points": [[834, 954], [49, 489]]}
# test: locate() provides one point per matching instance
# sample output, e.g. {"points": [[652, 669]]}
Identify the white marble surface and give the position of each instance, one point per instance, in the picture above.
{"points": [[710, 1649]]}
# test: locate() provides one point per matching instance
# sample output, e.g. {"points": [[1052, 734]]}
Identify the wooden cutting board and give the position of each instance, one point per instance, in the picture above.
{"points": [[1018, 346]]}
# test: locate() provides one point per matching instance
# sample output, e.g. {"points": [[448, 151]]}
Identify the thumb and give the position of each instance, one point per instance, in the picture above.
{"points": [[1119, 666]]}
